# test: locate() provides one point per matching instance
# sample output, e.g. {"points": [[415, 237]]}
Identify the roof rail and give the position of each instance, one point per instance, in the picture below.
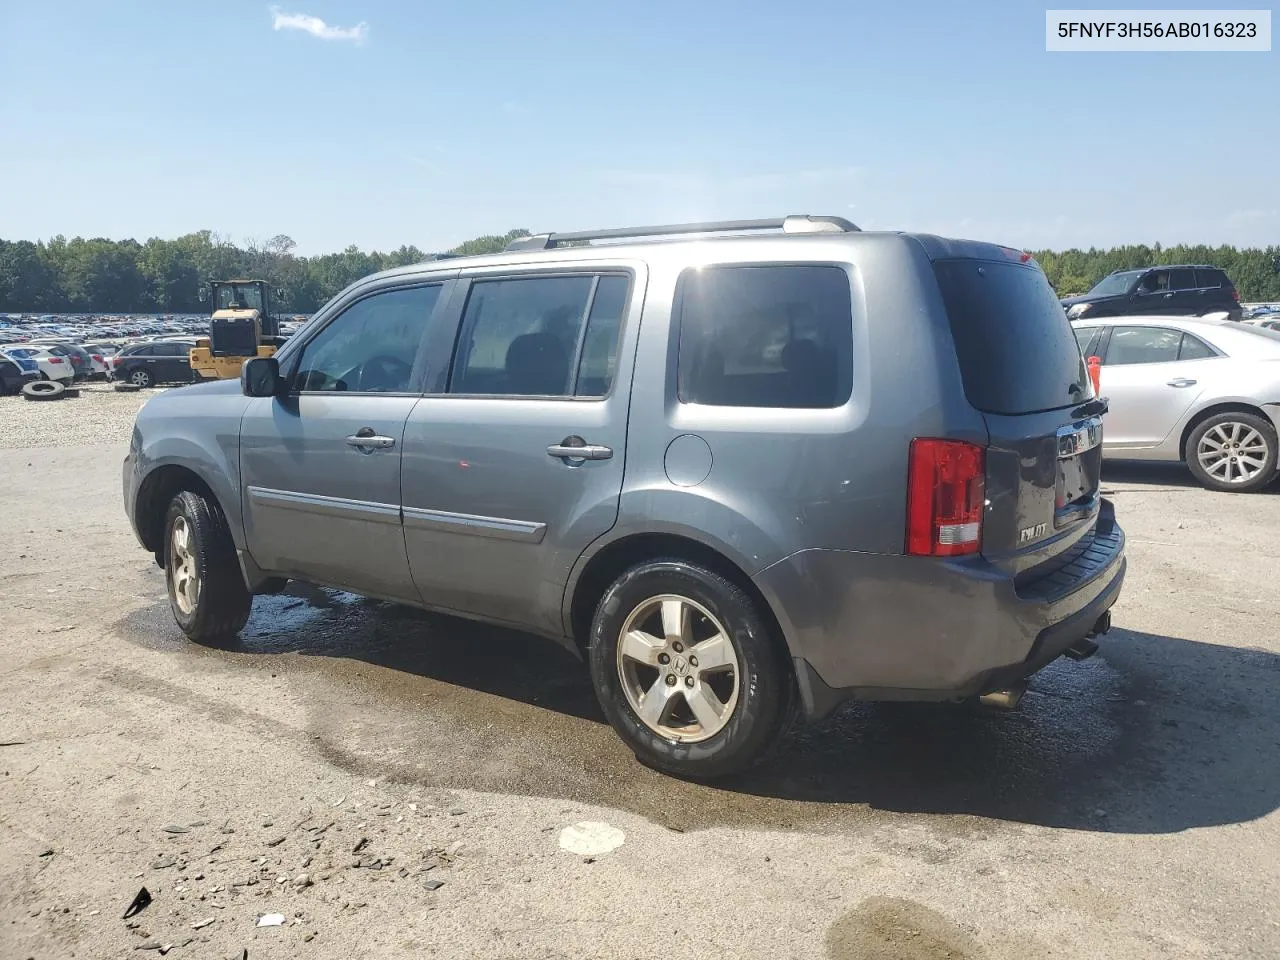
{"points": [[797, 223]]}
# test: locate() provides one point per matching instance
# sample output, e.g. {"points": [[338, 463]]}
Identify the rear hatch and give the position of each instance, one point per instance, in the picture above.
{"points": [[1022, 369]]}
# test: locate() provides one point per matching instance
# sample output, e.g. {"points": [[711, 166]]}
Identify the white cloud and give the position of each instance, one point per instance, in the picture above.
{"points": [[316, 27]]}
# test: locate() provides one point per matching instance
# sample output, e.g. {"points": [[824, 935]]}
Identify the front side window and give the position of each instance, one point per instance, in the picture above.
{"points": [[371, 346], [765, 336], [1143, 345], [1157, 281], [554, 336]]}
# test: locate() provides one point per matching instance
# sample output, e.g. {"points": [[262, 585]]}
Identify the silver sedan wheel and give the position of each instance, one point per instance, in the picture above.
{"points": [[1232, 452], [678, 668], [182, 567]]}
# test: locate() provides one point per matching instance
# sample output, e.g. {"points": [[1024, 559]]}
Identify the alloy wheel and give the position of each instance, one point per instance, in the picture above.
{"points": [[1232, 452], [182, 567], [679, 670]]}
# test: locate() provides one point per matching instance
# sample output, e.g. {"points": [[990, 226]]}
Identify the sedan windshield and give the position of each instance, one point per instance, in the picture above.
{"points": [[1115, 284]]}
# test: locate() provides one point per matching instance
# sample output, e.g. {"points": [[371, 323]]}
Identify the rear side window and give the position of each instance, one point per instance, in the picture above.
{"points": [[1014, 344], [766, 336], [1193, 348], [1086, 337], [1182, 279], [1210, 278], [540, 336]]}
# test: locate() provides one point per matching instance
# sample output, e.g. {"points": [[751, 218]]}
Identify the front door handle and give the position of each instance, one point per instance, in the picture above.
{"points": [[575, 448], [366, 441], [1182, 382]]}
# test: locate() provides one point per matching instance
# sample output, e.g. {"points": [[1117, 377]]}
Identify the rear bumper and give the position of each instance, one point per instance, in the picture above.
{"points": [[882, 627]]}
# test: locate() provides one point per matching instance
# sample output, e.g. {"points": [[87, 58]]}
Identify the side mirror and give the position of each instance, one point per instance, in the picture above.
{"points": [[260, 377]]}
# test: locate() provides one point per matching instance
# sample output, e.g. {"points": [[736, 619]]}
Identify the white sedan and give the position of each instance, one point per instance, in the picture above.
{"points": [[1201, 391]]}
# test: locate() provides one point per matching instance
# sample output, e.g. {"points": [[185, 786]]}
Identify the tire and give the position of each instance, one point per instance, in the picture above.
{"points": [[207, 592], [1210, 459], [43, 390], [141, 378], [757, 705]]}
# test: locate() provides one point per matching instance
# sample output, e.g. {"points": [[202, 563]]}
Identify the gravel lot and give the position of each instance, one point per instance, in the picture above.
{"points": [[100, 415], [395, 784]]}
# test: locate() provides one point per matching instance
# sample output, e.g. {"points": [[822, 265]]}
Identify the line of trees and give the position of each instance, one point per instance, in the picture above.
{"points": [[164, 276]]}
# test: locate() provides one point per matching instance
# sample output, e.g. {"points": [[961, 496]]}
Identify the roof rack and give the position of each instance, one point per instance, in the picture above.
{"points": [[798, 223]]}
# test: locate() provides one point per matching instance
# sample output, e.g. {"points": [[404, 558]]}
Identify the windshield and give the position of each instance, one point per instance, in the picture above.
{"points": [[1115, 284], [237, 298]]}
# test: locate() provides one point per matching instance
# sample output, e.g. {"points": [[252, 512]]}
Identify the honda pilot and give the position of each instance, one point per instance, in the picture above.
{"points": [[746, 470]]}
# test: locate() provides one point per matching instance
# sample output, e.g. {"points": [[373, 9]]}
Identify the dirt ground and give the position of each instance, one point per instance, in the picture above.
{"points": [[395, 784]]}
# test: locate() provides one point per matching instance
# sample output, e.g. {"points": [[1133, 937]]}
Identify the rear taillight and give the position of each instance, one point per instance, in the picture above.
{"points": [[55, 359], [97, 357], [1235, 295], [946, 492], [115, 361]]}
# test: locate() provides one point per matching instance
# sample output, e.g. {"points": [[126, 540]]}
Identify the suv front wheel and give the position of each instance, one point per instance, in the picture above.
{"points": [[207, 593], [687, 670]]}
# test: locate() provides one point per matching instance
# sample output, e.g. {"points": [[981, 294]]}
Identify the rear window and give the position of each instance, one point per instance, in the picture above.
{"points": [[1016, 349], [1211, 278], [766, 336]]}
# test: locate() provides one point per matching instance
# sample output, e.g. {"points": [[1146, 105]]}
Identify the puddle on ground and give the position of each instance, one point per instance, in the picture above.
{"points": [[887, 928], [435, 701]]}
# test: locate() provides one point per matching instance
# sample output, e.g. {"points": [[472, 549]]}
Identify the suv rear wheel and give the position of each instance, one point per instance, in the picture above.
{"points": [[207, 593], [687, 670], [1233, 451]]}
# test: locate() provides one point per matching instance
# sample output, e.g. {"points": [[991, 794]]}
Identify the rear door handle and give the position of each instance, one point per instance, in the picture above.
{"points": [[1182, 382], [575, 448]]}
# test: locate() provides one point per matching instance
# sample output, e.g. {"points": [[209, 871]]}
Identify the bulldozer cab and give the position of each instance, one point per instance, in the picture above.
{"points": [[242, 318], [243, 325]]}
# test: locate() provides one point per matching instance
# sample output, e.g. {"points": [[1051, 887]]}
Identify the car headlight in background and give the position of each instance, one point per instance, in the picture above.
{"points": [[1078, 310]]}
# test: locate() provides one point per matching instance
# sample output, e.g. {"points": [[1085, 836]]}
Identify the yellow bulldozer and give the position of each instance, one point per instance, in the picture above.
{"points": [[243, 326]]}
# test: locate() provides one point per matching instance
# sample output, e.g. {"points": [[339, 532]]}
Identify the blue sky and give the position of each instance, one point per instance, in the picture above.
{"points": [[429, 122]]}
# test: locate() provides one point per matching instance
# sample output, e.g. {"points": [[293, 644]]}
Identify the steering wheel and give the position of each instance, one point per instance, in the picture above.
{"points": [[384, 374]]}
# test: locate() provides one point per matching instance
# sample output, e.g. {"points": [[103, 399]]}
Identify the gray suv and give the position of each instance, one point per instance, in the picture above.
{"points": [[747, 470]]}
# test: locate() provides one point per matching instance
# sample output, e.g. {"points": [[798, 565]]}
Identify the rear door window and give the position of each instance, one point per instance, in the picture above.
{"points": [[1193, 348], [1143, 345], [1182, 279], [765, 336], [552, 336], [1087, 338], [1015, 347]]}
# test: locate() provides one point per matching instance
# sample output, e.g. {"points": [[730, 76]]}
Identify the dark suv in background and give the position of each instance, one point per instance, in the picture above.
{"points": [[159, 361], [1163, 291]]}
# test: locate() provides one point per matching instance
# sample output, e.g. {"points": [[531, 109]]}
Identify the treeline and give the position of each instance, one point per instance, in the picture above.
{"points": [[164, 276]]}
